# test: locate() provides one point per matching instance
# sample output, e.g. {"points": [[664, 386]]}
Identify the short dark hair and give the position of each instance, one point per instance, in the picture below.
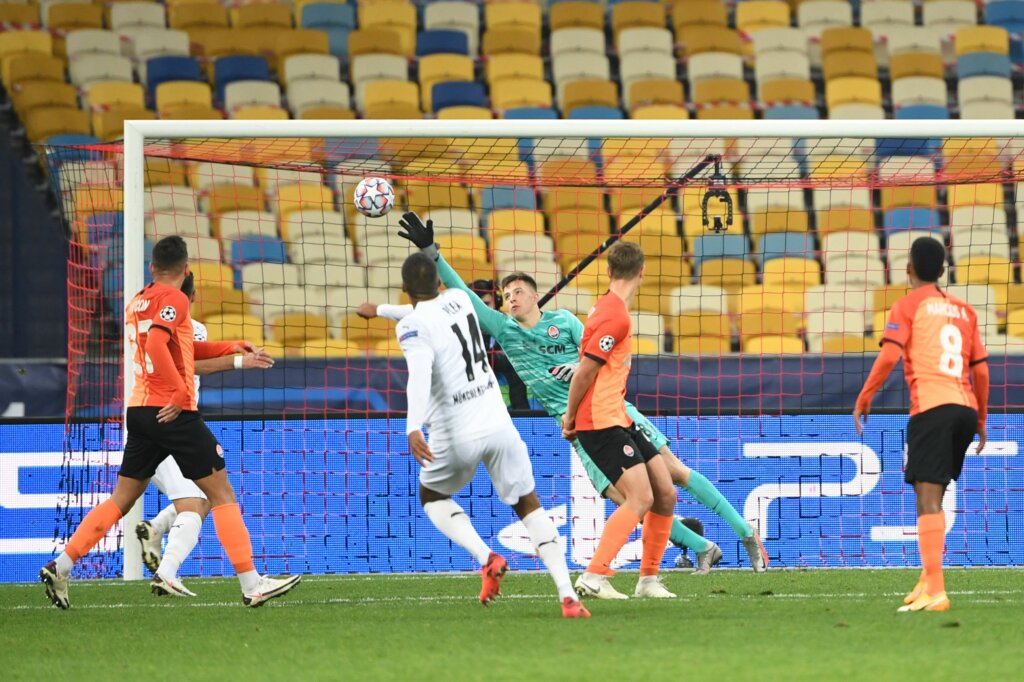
{"points": [[188, 287], [625, 260], [928, 256], [419, 275], [170, 254], [518, 277]]}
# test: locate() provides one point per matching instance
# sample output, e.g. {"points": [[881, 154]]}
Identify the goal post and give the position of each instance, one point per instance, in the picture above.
{"points": [[777, 314]]}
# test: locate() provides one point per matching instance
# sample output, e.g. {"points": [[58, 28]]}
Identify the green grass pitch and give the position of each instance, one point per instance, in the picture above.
{"points": [[731, 625]]}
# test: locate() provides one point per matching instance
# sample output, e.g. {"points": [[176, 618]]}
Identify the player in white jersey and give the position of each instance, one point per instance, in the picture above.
{"points": [[453, 392], [182, 520]]}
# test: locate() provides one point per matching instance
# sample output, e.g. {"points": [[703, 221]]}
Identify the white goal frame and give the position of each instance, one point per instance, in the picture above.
{"points": [[136, 133]]}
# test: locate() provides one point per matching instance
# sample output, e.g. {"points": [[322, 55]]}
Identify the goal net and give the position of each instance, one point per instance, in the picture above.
{"points": [[772, 261]]}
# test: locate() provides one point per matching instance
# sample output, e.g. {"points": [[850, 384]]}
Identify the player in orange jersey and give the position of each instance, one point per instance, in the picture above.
{"points": [[162, 421], [944, 361], [596, 415]]}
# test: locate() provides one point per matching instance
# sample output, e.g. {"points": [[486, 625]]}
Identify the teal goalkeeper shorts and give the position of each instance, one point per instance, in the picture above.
{"points": [[598, 479]]}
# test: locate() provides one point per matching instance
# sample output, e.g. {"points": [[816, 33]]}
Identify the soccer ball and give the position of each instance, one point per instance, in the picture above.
{"points": [[374, 197]]}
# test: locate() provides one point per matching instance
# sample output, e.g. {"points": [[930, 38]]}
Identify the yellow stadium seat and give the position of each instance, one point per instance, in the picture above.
{"points": [[846, 38], [778, 220], [198, 112], [713, 90], [160, 171], [587, 93], [799, 273], [731, 274], [321, 349], [849, 63], [697, 39], [234, 327], [662, 222], [980, 194], [174, 94], [302, 196], [109, 125], [35, 68], [511, 93], [45, 122], [576, 15], [770, 311], [39, 94], [909, 64], [461, 113], [634, 182], [570, 184], [441, 68], [115, 93], [201, 15], [971, 39], [379, 40], [211, 43], [328, 113], [297, 328], [971, 158], [660, 112], [984, 270], [703, 345], [884, 297], [15, 44], [395, 15], [89, 200], [516, 220], [511, 40], [365, 333], [845, 220], [574, 221], [385, 95], [725, 112], [70, 17], [774, 345], [849, 344], [908, 195], [518, 14], [298, 41], [260, 112], [687, 13], [1014, 297], [511, 65], [786, 90], [656, 91], [636, 15], [222, 198], [273, 15], [219, 299], [853, 90], [209, 274], [424, 196], [26, 15], [755, 15], [1015, 323]]}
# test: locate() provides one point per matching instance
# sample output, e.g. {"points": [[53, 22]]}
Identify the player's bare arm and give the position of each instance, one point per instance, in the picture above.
{"points": [[259, 359], [880, 371], [582, 380], [419, 448]]}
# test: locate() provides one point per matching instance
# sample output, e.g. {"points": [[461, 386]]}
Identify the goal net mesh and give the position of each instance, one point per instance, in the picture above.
{"points": [[751, 342]]}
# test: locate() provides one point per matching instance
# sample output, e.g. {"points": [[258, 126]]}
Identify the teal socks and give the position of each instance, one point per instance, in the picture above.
{"points": [[681, 536], [702, 490]]}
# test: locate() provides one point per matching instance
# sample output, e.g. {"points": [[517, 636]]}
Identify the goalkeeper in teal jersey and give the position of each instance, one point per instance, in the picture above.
{"points": [[543, 347]]}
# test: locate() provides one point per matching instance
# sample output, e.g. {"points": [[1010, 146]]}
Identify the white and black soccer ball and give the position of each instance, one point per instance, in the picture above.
{"points": [[168, 313], [374, 197], [606, 343]]}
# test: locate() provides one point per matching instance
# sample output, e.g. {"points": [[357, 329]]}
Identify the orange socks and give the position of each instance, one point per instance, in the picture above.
{"points": [[93, 527], [617, 530], [234, 536], [655, 537], [931, 539]]}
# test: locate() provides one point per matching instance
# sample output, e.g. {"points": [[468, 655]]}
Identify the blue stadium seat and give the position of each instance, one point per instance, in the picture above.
{"points": [[526, 145], [719, 246], [69, 148], [1008, 14], [441, 41], [911, 219], [922, 111], [238, 68], [103, 228], [338, 149], [597, 112], [171, 68], [897, 146], [336, 20], [791, 112], [983, 64], [502, 196], [258, 249], [458, 93], [786, 244]]}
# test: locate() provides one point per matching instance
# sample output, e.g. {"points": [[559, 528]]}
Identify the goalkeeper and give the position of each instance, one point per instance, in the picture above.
{"points": [[543, 346]]}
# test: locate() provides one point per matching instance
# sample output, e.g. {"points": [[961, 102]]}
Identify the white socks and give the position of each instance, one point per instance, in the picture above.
{"points": [[546, 540], [163, 521], [64, 564], [450, 519], [181, 540]]}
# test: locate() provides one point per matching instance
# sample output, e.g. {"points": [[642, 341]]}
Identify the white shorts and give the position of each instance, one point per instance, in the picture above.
{"points": [[504, 454], [172, 483]]}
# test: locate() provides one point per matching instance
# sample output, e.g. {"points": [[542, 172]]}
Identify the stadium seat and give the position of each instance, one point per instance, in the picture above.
{"points": [[299, 67], [165, 69], [626, 15], [229, 69], [853, 91], [714, 65], [787, 90], [458, 15], [716, 90], [512, 93], [583, 94], [632, 40], [512, 66], [785, 244], [972, 39], [273, 15], [304, 95], [642, 67], [137, 14], [769, 311], [440, 68], [367, 41], [93, 68], [911, 219], [800, 273], [984, 270], [223, 197], [916, 40], [246, 93], [40, 94], [984, 64], [847, 39], [782, 64], [577, 40], [449, 94], [298, 41], [699, 13], [441, 41], [774, 345], [704, 38], [948, 16], [170, 199], [849, 63], [65, 18], [656, 91], [576, 15], [328, 15], [757, 15]]}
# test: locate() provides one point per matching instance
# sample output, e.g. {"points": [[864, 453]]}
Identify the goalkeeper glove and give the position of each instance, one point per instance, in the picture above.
{"points": [[419, 234], [564, 372]]}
